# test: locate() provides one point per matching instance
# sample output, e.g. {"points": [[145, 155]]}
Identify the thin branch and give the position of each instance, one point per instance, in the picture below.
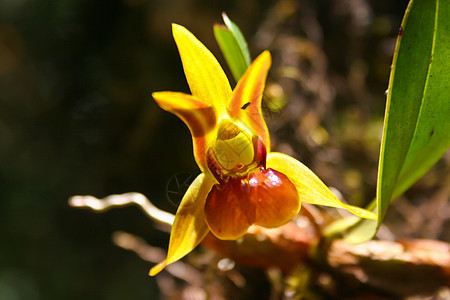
{"points": [[152, 254], [108, 202]]}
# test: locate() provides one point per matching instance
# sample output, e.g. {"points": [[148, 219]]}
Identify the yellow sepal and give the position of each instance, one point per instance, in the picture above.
{"points": [[189, 227], [310, 188], [205, 76], [199, 116], [244, 106]]}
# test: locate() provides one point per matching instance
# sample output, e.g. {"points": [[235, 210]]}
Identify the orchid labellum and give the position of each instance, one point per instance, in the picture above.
{"points": [[242, 183]]}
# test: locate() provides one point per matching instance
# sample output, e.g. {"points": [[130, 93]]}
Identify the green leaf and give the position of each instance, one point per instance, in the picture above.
{"points": [[239, 37], [432, 135], [417, 119], [233, 46]]}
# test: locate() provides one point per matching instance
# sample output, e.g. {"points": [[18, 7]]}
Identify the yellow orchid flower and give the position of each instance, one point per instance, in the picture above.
{"points": [[242, 183]]}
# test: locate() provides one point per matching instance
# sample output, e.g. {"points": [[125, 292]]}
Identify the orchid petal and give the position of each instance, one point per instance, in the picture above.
{"points": [[275, 198], [265, 197], [189, 227], [199, 116], [205, 76], [244, 106], [228, 212], [310, 188]]}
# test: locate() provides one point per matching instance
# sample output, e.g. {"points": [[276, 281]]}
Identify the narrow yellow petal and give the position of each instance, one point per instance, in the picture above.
{"points": [[310, 188], [198, 115], [244, 106], [205, 76], [189, 227], [158, 268]]}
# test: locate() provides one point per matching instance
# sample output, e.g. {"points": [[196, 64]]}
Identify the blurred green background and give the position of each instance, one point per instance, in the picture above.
{"points": [[77, 117]]}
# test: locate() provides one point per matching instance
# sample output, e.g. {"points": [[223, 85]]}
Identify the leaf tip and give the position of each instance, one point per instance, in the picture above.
{"points": [[225, 17], [218, 26]]}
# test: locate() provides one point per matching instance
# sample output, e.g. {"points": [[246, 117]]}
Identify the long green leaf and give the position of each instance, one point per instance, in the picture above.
{"points": [[417, 119], [432, 135], [239, 37], [233, 46]]}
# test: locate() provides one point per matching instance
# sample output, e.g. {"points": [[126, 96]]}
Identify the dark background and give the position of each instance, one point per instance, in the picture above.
{"points": [[77, 117]]}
